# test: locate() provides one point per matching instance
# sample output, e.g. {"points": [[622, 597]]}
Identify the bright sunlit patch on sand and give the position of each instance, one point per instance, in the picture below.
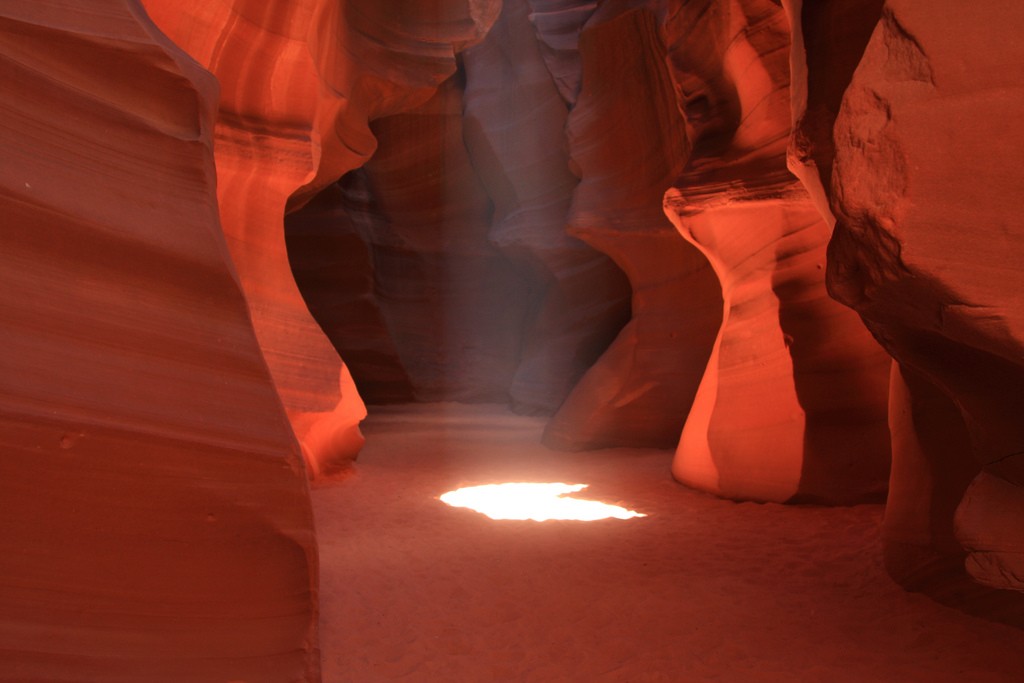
{"points": [[539, 502]]}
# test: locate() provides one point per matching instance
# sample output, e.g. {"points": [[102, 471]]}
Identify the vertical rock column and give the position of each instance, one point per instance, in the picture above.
{"points": [[156, 521], [828, 40], [930, 472], [792, 406]]}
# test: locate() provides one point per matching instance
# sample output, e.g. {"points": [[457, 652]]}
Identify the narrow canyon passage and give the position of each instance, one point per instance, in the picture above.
{"points": [[701, 589]]}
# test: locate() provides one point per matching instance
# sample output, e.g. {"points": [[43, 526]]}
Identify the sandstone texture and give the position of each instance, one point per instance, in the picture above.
{"points": [[515, 131], [156, 519], [627, 144], [792, 406], [780, 237], [558, 24], [828, 38], [926, 192], [300, 82], [473, 290]]}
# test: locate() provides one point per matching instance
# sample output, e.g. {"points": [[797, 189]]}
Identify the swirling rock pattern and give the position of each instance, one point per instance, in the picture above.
{"points": [[300, 82], [925, 251], [156, 520], [157, 361]]}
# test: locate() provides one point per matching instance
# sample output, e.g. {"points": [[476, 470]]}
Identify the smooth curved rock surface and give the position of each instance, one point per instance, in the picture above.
{"points": [[987, 525], [301, 80], [925, 250], [792, 406], [627, 144], [156, 520], [929, 477], [265, 153]]}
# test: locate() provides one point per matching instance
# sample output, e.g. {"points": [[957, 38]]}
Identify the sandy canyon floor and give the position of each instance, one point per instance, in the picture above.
{"points": [[699, 590]]}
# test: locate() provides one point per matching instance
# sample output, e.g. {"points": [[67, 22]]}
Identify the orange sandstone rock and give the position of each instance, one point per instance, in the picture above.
{"points": [[792, 405], [300, 81], [926, 192], [627, 143], [156, 520], [271, 110]]}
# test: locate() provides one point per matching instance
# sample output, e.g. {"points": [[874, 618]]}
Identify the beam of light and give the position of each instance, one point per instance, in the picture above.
{"points": [[539, 502]]}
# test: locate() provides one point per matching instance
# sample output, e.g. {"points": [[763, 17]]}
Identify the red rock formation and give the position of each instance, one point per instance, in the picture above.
{"points": [[300, 81], [265, 153], [156, 513], [627, 143], [926, 186], [156, 521], [929, 477], [792, 405]]}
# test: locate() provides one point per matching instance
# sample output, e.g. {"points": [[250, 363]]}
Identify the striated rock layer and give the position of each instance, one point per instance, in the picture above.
{"points": [[792, 406], [156, 521], [926, 192], [300, 82]]}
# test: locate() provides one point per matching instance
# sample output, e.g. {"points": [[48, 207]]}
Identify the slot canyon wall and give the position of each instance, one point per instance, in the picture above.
{"points": [[925, 179], [164, 393], [147, 466], [778, 237]]}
